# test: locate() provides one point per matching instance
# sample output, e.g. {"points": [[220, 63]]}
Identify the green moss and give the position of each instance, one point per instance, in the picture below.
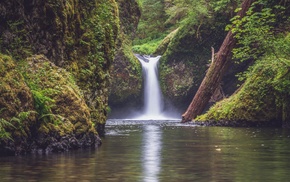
{"points": [[81, 38], [15, 43], [98, 49], [184, 62], [16, 103], [126, 73], [147, 48], [58, 101], [160, 50], [260, 98]]}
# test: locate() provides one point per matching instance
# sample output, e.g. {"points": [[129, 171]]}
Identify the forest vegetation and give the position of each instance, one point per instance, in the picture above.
{"points": [[256, 84], [65, 64]]}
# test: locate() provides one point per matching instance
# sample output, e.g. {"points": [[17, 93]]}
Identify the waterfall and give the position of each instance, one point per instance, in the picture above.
{"points": [[153, 101], [154, 108]]}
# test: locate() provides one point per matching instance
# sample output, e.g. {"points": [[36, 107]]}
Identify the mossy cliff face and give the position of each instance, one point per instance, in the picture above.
{"points": [[126, 86], [79, 36], [184, 61]]}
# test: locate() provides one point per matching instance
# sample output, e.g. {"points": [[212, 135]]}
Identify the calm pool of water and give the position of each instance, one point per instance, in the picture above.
{"points": [[164, 151]]}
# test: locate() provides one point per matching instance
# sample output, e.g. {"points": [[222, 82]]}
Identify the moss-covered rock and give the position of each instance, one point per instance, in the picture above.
{"points": [[263, 99], [49, 113], [126, 85], [63, 113], [162, 47], [17, 112], [184, 63], [79, 36], [13, 90]]}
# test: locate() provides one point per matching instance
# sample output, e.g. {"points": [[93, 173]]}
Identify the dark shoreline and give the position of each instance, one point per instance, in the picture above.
{"points": [[226, 123]]}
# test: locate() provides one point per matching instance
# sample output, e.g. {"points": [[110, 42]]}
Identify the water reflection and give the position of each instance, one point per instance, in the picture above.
{"points": [[151, 152], [141, 151]]}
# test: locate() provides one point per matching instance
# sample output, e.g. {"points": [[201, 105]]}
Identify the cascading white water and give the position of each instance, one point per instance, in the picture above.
{"points": [[153, 102]]}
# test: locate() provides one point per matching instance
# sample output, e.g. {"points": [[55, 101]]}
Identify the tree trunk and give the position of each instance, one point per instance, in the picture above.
{"points": [[215, 73]]}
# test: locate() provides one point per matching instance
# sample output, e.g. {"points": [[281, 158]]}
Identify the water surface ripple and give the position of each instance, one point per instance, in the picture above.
{"points": [[164, 151]]}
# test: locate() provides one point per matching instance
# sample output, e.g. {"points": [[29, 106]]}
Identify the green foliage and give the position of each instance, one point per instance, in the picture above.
{"points": [[152, 20], [265, 94], [147, 48], [4, 135], [188, 10], [20, 123], [43, 105], [177, 14], [43, 87], [15, 125], [256, 32], [224, 5]]}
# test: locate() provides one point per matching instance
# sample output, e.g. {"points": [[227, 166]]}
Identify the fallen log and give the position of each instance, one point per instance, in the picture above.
{"points": [[214, 75]]}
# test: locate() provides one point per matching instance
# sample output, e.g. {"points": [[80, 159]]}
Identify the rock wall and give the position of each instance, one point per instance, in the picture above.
{"points": [[77, 36], [126, 85], [185, 60]]}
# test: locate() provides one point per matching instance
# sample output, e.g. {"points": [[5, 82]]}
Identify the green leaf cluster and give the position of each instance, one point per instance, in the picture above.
{"points": [[160, 18], [4, 124], [256, 32], [264, 95], [147, 48]]}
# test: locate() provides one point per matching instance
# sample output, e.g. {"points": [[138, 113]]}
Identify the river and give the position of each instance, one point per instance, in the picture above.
{"points": [[164, 151]]}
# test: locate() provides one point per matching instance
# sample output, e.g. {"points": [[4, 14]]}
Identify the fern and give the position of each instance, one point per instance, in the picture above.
{"points": [[4, 135], [43, 105]]}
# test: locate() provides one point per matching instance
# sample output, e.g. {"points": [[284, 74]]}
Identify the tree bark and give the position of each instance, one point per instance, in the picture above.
{"points": [[215, 72]]}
